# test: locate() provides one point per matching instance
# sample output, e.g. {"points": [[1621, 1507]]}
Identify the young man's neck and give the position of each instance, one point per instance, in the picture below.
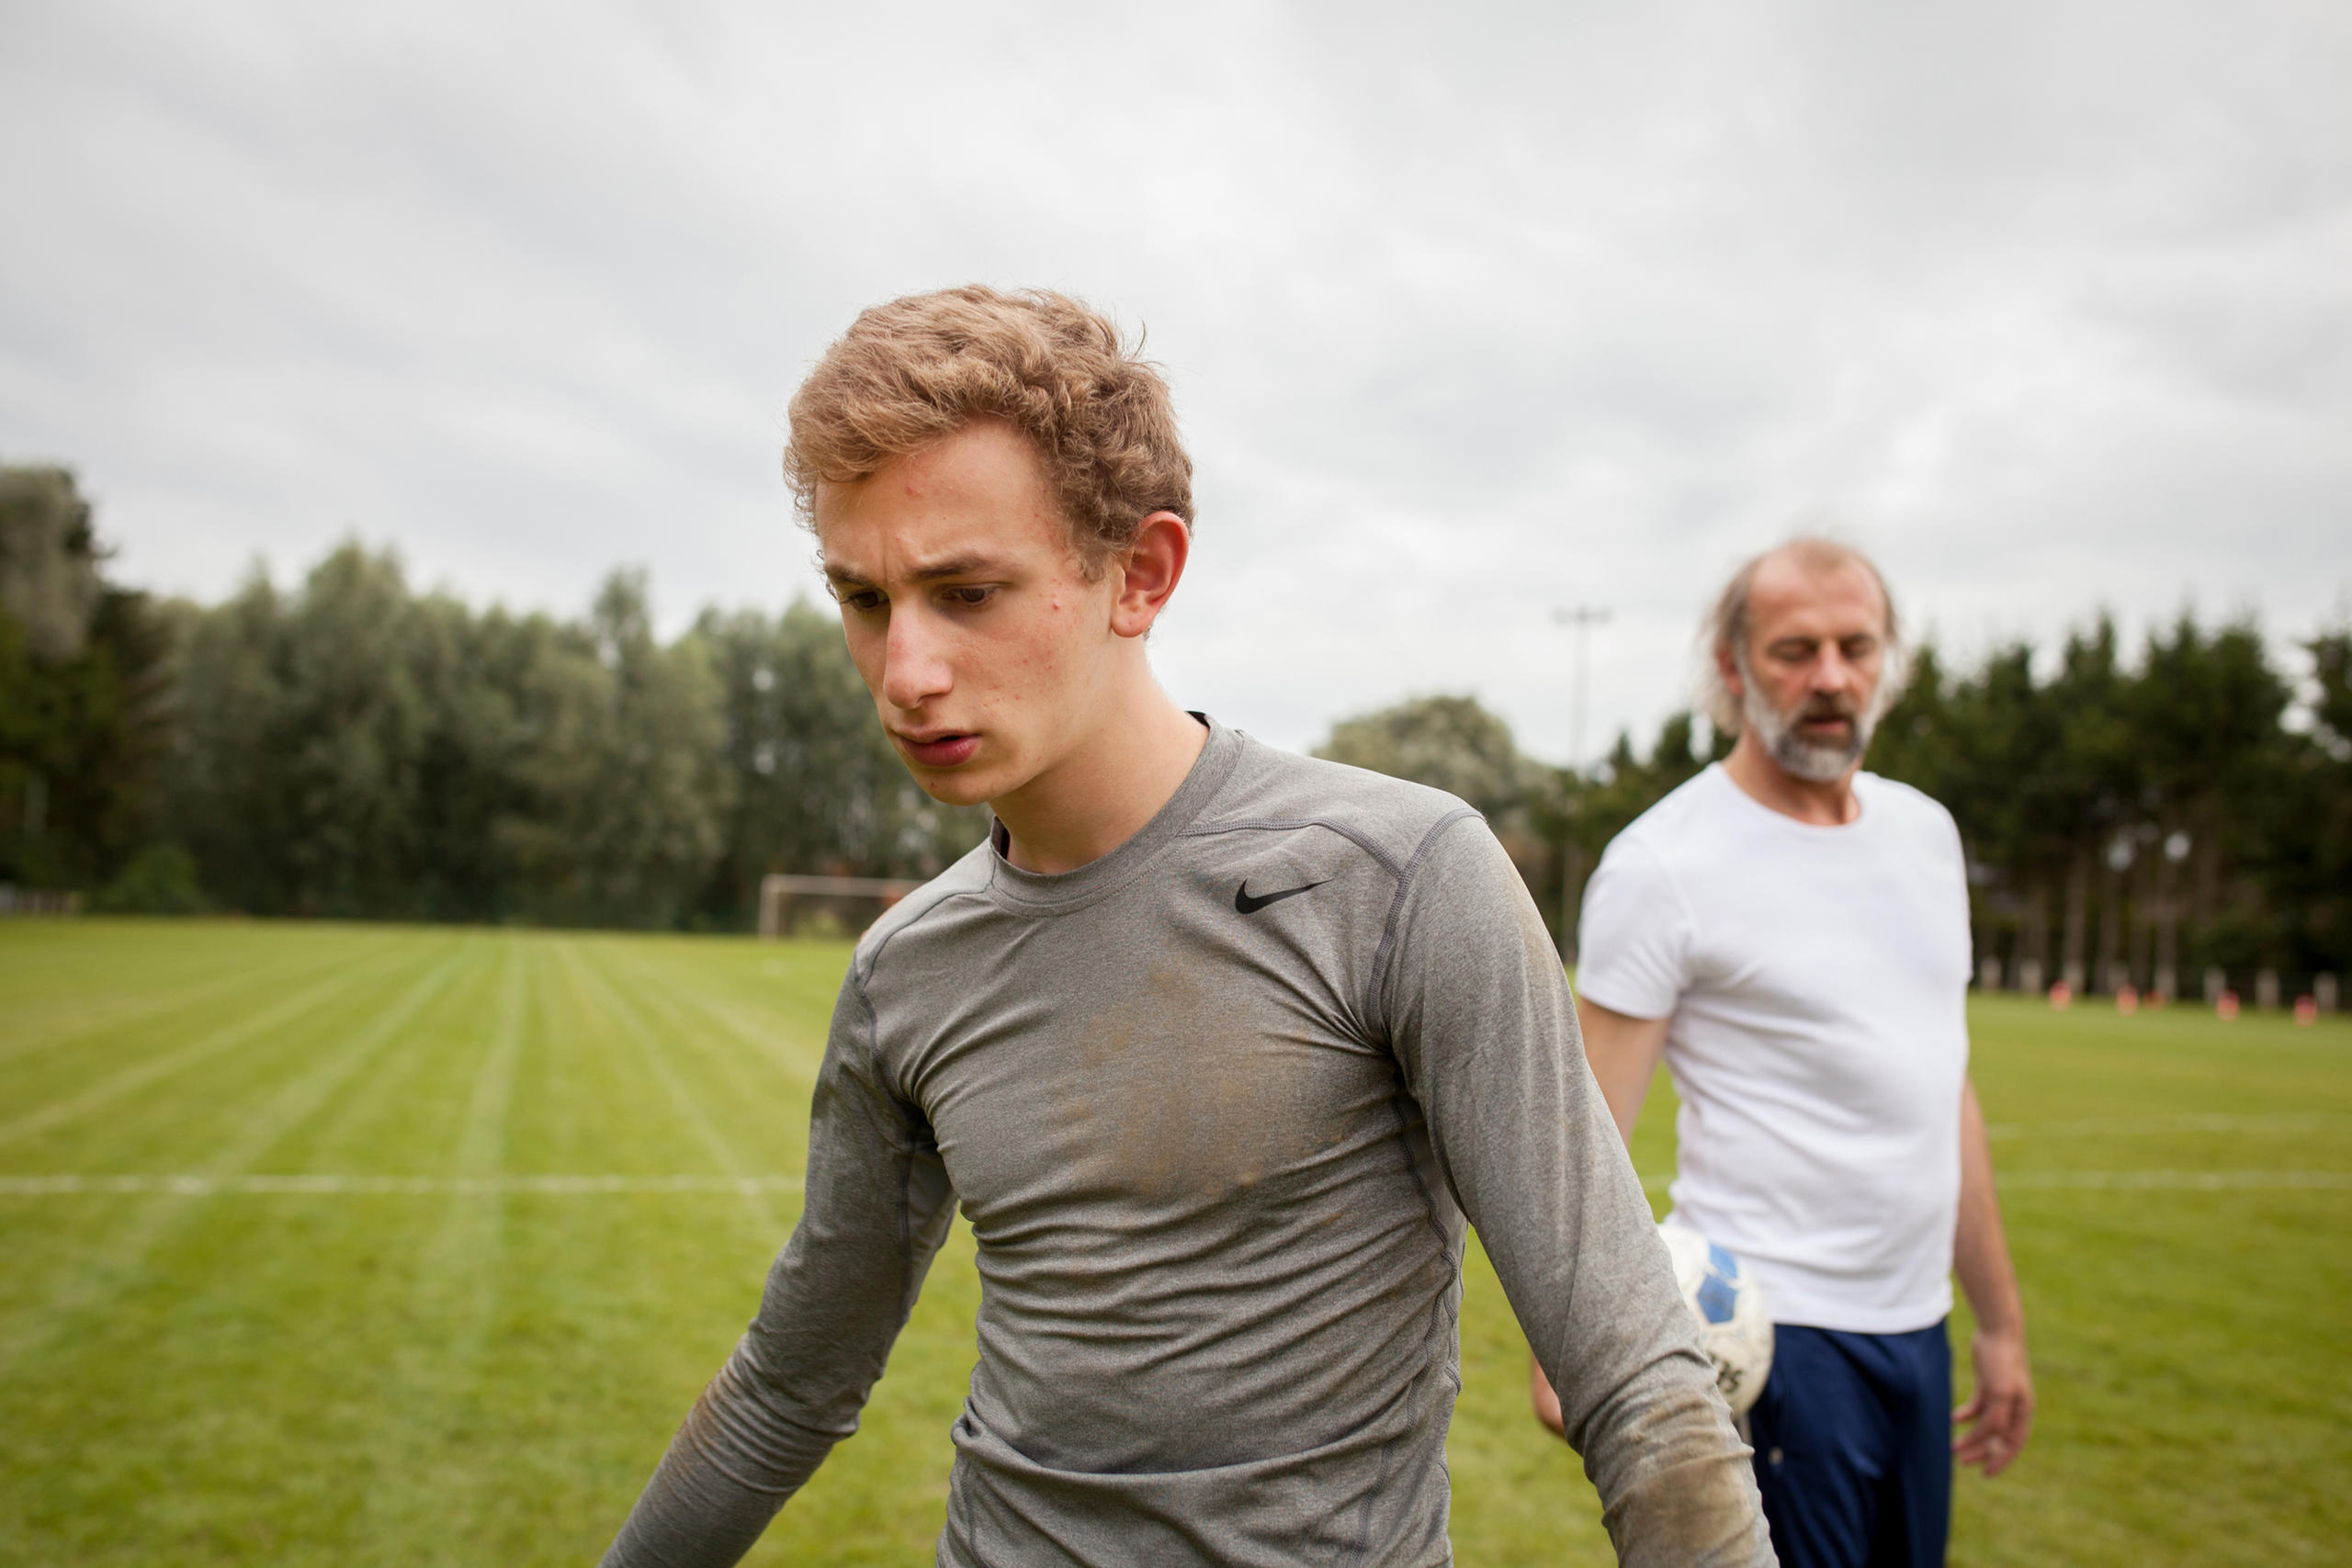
{"points": [[1103, 793], [1764, 781]]}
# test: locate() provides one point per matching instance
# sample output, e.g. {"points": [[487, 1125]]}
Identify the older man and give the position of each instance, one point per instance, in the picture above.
{"points": [[1790, 934]]}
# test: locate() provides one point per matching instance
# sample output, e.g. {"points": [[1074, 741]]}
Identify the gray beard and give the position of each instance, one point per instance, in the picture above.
{"points": [[1800, 755]]}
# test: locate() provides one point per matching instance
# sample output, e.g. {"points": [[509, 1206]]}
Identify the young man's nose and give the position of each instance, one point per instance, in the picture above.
{"points": [[914, 669]]}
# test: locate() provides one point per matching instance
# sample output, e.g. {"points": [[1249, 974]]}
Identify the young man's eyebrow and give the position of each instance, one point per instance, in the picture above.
{"points": [[954, 566]]}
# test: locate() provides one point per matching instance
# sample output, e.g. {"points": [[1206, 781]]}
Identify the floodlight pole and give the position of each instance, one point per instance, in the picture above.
{"points": [[1583, 617]]}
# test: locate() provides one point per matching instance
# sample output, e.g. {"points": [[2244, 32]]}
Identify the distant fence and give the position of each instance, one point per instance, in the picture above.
{"points": [[782, 898], [15, 900], [2213, 985]]}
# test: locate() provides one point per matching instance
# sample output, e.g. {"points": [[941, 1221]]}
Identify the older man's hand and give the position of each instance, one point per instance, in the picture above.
{"points": [[1999, 1415]]}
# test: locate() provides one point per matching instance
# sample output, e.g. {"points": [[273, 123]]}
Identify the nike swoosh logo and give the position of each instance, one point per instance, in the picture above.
{"points": [[1250, 905]]}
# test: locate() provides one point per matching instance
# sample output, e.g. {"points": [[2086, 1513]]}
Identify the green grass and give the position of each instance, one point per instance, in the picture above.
{"points": [[445, 1375]]}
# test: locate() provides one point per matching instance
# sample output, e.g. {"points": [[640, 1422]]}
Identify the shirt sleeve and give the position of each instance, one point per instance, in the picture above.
{"points": [[876, 1204], [1633, 935], [1479, 1016]]}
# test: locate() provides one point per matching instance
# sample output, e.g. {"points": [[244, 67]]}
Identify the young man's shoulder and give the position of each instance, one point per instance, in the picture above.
{"points": [[968, 877], [1392, 819]]}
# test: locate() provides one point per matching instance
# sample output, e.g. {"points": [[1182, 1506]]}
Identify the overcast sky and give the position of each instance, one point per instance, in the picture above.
{"points": [[1473, 312]]}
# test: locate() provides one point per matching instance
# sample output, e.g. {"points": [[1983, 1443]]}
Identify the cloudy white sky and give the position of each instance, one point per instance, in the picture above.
{"points": [[1473, 311]]}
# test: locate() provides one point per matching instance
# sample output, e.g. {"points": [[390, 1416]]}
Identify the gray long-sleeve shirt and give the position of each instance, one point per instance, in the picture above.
{"points": [[1217, 1107]]}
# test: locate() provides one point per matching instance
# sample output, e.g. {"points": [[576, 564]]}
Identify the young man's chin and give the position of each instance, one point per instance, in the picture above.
{"points": [[969, 782], [950, 789]]}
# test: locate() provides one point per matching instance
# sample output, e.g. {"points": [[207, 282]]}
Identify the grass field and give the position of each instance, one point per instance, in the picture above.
{"points": [[358, 1245]]}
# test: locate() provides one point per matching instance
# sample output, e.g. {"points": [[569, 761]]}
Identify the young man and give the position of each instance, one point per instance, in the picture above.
{"points": [[1219, 1048], [1791, 935]]}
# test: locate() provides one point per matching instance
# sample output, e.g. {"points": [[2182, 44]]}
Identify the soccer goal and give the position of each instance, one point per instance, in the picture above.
{"points": [[825, 905]]}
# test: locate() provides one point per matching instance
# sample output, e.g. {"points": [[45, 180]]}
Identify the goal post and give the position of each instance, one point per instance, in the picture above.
{"points": [[859, 898]]}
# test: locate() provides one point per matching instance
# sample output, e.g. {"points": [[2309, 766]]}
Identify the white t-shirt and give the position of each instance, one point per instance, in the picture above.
{"points": [[1817, 982]]}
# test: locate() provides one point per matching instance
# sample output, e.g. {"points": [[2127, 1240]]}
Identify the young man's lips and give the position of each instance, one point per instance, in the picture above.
{"points": [[945, 752]]}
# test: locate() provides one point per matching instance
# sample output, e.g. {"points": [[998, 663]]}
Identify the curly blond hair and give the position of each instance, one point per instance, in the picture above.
{"points": [[919, 369]]}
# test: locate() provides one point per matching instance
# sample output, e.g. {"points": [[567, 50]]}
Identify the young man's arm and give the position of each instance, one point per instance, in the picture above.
{"points": [[874, 1210], [1479, 1014], [1999, 1414], [1624, 1054]]}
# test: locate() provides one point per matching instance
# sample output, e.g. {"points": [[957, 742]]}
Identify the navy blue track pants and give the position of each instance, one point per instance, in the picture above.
{"points": [[1853, 1448]]}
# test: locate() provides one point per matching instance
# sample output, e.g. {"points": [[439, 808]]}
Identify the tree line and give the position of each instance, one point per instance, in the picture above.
{"points": [[347, 746], [2129, 819]]}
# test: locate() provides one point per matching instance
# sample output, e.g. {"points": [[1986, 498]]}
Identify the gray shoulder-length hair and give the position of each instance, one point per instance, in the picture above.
{"points": [[1725, 629]]}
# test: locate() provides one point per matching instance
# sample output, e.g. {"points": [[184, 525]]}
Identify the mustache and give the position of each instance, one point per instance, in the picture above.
{"points": [[1826, 706]]}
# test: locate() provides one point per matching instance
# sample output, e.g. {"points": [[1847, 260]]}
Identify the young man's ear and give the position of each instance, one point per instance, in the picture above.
{"points": [[1148, 569]]}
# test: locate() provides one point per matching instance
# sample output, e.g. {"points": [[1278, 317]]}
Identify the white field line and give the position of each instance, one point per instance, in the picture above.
{"points": [[2182, 1181], [193, 1186], [629, 1010], [2146, 1180], [107, 1269], [189, 1186], [2140, 1126]]}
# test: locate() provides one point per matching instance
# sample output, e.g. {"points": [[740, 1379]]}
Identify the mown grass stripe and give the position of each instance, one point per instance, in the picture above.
{"points": [[768, 1086], [36, 1028], [682, 1004], [439, 1389], [128, 1081], [109, 1265], [406, 1097], [481, 1140], [656, 1054]]}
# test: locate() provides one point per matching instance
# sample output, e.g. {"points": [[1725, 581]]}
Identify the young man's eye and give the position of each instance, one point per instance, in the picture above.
{"points": [[970, 597], [865, 601]]}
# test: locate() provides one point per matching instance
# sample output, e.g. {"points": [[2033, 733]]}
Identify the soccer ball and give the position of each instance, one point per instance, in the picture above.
{"points": [[1734, 1327]]}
